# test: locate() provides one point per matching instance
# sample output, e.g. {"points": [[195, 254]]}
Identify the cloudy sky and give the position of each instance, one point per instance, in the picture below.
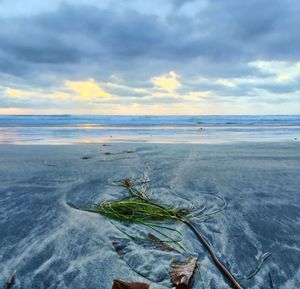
{"points": [[150, 57]]}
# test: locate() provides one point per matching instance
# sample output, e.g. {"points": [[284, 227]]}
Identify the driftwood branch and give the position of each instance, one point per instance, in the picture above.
{"points": [[218, 263]]}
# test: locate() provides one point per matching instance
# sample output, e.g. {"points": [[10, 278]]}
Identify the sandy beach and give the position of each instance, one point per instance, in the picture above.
{"points": [[149, 144], [51, 245]]}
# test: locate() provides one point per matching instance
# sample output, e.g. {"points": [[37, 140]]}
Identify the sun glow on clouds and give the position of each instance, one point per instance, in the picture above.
{"points": [[18, 93], [167, 95], [168, 82], [87, 90]]}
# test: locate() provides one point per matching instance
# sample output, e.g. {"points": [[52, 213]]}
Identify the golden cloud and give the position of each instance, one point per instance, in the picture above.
{"points": [[87, 90], [168, 82], [13, 92]]}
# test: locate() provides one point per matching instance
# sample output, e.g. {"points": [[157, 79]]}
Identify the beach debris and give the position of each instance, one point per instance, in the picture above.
{"points": [[151, 242], [10, 281], [143, 212], [86, 157], [139, 211], [263, 258], [120, 245], [138, 208], [160, 244], [127, 182], [182, 272], [120, 284], [213, 255]]}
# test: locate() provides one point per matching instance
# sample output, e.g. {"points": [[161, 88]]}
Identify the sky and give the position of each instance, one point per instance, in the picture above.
{"points": [[156, 57]]}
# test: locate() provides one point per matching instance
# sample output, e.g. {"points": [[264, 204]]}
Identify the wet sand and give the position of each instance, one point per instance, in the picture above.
{"points": [[51, 245]]}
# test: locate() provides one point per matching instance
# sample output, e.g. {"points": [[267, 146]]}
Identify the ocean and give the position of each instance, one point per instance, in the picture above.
{"points": [[72, 129]]}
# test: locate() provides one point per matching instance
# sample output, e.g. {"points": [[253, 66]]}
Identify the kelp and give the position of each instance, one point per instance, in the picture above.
{"points": [[143, 212], [138, 208], [137, 211], [263, 258]]}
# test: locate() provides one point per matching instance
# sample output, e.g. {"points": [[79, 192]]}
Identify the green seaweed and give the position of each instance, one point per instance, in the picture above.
{"points": [[263, 258], [138, 208]]}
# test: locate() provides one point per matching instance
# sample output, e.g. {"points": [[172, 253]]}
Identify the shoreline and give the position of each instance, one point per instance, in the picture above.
{"points": [[147, 129]]}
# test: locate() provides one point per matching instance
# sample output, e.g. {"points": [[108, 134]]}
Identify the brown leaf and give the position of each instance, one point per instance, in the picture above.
{"points": [[160, 245], [127, 183], [182, 272], [119, 284]]}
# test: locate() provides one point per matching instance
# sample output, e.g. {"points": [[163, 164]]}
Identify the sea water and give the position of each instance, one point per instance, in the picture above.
{"points": [[72, 129]]}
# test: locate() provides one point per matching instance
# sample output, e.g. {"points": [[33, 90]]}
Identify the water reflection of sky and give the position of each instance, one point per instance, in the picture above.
{"points": [[164, 134]]}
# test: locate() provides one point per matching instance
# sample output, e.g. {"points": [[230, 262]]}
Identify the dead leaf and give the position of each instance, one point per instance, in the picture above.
{"points": [[119, 284], [127, 183], [159, 244], [182, 272], [9, 282]]}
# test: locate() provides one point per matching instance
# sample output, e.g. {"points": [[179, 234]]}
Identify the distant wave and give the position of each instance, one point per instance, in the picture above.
{"points": [[217, 120]]}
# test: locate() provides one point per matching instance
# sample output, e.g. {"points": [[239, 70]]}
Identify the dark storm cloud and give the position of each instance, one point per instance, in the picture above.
{"points": [[73, 33], [224, 30], [209, 40], [262, 29]]}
